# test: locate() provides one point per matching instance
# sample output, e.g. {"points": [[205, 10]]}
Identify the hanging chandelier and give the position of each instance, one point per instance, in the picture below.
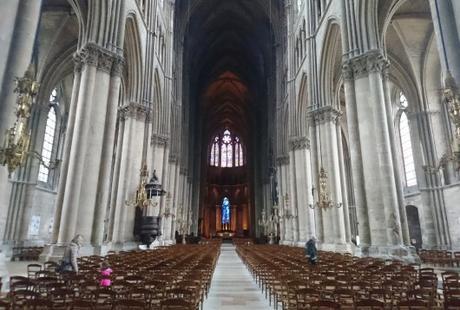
{"points": [[15, 150]]}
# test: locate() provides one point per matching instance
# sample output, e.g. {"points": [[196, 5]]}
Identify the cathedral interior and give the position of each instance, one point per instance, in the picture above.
{"points": [[169, 122]]}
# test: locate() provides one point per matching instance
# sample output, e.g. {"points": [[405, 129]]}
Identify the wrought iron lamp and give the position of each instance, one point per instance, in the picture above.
{"points": [[269, 223], [146, 191], [324, 201], [15, 150]]}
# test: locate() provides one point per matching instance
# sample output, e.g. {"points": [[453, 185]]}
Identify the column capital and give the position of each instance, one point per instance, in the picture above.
{"points": [[117, 66], [362, 65], [78, 63], [325, 114], [282, 160], [133, 110], [160, 140], [94, 55], [299, 143]]}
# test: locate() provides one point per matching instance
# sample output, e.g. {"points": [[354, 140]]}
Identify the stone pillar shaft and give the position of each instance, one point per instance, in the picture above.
{"points": [[356, 159], [71, 197], [19, 58], [66, 152]]}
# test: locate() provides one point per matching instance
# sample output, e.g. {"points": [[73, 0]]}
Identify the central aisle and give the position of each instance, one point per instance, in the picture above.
{"points": [[232, 286]]}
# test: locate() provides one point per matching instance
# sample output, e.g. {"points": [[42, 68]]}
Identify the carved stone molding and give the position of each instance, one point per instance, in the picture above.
{"points": [[299, 143], [325, 114], [117, 67], [105, 62], [103, 59], [89, 55], [361, 66], [133, 110], [78, 63], [282, 160], [159, 140]]}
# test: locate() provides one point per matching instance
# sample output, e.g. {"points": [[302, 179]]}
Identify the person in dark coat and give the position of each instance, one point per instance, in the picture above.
{"points": [[71, 254], [310, 250]]}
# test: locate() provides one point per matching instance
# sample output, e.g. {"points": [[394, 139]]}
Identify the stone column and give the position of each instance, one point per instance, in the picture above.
{"points": [[344, 185], [333, 218], [444, 13], [67, 146], [104, 186], [133, 115], [293, 207], [76, 165], [19, 58], [300, 147], [92, 137], [375, 148], [356, 157], [394, 153]]}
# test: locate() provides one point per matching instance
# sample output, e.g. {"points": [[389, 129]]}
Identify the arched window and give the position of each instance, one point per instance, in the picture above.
{"points": [[225, 211], [48, 141], [406, 144], [226, 151]]}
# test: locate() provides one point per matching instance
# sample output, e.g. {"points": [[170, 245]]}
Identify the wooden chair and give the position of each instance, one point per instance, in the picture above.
{"points": [[345, 298], [176, 304], [61, 298], [50, 266], [32, 269], [369, 304], [452, 304], [38, 304], [412, 305], [82, 305], [323, 305], [128, 304], [5, 305]]}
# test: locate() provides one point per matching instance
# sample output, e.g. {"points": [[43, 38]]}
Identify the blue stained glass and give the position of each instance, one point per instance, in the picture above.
{"points": [[226, 211]]}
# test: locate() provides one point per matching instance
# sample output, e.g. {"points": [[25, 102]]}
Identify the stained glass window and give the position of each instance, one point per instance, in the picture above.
{"points": [[225, 211], [48, 141], [406, 145], [226, 151]]}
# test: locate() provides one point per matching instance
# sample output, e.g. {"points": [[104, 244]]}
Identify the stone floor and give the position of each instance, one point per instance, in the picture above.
{"points": [[232, 286]]}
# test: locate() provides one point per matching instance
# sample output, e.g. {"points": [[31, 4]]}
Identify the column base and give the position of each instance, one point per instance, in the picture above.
{"points": [[407, 254], [4, 274], [55, 252], [52, 252], [334, 247], [125, 246]]}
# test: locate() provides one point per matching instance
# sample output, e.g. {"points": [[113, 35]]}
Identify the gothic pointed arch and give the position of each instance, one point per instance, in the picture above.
{"points": [[133, 61], [331, 63]]}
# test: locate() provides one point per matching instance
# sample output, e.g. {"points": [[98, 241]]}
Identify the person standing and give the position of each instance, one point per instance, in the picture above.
{"points": [[310, 250], [71, 253]]}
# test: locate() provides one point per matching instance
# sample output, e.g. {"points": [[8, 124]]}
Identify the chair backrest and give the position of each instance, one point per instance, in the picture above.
{"points": [[452, 304], [369, 304], [324, 304], [129, 304], [82, 305], [412, 305], [36, 304], [176, 304]]}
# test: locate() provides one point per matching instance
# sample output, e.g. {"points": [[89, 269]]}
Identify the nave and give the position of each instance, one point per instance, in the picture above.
{"points": [[215, 276], [232, 286]]}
